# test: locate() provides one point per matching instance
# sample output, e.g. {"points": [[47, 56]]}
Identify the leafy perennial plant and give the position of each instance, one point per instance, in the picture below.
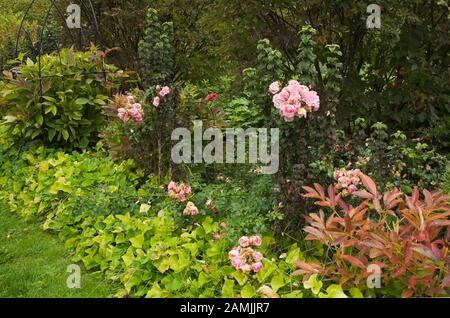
{"points": [[406, 237]]}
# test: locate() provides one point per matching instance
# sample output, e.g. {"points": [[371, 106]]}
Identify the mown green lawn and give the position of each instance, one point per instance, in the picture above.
{"points": [[33, 264]]}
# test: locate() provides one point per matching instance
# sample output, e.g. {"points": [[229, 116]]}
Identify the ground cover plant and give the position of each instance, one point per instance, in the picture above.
{"points": [[116, 156]]}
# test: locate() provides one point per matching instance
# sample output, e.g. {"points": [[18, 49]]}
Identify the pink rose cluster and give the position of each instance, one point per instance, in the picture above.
{"points": [[347, 180], [190, 210], [244, 258], [179, 191], [131, 111], [162, 92], [294, 100]]}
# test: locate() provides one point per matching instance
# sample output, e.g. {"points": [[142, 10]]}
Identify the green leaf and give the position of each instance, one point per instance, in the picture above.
{"points": [[51, 134], [294, 254], [99, 102], [227, 289], [82, 101], [65, 134], [128, 257], [334, 291], [39, 120], [175, 284], [248, 291], [266, 271], [314, 284], [164, 265], [208, 225], [203, 279], [240, 277], [137, 241], [154, 292], [356, 293], [50, 99], [294, 294], [277, 282]]}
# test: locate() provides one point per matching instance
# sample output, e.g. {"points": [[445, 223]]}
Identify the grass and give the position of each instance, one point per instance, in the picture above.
{"points": [[33, 264]]}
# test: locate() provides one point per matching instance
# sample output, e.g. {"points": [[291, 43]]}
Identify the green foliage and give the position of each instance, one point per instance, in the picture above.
{"points": [[141, 246], [390, 158], [51, 182], [156, 52], [230, 203], [74, 87]]}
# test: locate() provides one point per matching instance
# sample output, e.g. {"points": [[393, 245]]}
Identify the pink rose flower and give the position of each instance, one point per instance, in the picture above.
{"points": [[164, 91], [256, 267], [216, 236], [288, 112], [312, 100], [236, 263], [156, 101], [190, 210], [171, 185], [275, 87], [257, 256], [223, 225], [122, 113], [244, 241], [138, 119], [158, 88], [246, 268], [352, 188], [130, 99], [233, 253], [256, 240]]}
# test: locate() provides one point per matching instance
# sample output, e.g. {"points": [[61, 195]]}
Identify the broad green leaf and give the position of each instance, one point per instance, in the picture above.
{"points": [[175, 284], [314, 284], [228, 288], [294, 294], [277, 282], [137, 241], [266, 271], [51, 134], [203, 279], [240, 277], [128, 257], [163, 265], [154, 292], [356, 293], [65, 134], [248, 291], [39, 120], [82, 101], [334, 291]]}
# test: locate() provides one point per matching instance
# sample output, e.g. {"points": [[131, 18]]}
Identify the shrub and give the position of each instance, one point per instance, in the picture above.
{"points": [[74, 87], [406, 237]]}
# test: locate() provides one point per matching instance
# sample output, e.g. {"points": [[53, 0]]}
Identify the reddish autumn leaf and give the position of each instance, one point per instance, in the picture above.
{"points": [[354, 261], [363, 194], [308, 267], [369, 184], [320, 190]]}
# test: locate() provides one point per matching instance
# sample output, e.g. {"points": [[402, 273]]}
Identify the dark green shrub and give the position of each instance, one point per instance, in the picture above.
{"points": [[74, 87]]}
